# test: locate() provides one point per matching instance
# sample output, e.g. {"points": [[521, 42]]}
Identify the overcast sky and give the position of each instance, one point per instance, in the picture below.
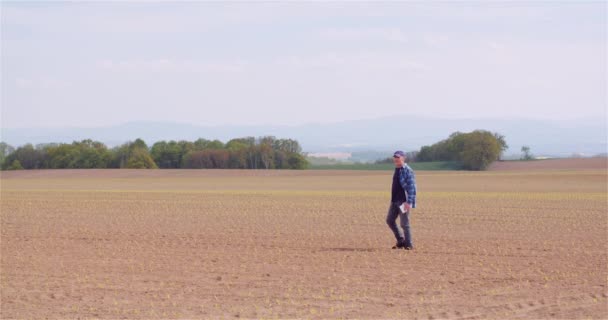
{"points": [[95, 64]]}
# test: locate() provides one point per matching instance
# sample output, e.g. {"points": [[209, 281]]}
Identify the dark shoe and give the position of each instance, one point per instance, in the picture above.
{"points": [[408, 247], [400, 244]]}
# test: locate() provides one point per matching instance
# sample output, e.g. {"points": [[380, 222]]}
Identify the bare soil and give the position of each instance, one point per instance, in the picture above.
{"points": [[151, 244]]}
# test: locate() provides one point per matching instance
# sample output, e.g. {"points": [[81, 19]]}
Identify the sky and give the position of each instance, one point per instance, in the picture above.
{"points": [[87, 64]]}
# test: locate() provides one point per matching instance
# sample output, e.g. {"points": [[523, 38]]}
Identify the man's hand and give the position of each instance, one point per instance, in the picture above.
{"points": [[406, 206]]}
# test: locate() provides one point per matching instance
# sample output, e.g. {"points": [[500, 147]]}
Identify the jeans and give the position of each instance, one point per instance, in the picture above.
{"points": [[404, 235]]}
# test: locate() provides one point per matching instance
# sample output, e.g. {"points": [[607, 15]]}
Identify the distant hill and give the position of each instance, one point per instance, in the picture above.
{"points": [[555, 138]]}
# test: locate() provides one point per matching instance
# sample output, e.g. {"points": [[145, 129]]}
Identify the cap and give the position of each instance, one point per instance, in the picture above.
{"points": [[398, 153]]}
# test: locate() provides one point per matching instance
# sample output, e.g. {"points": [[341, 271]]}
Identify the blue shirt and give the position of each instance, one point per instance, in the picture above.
{"points": [[407, 181]]}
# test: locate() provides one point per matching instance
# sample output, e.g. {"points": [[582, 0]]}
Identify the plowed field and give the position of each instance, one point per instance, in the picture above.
{"points": [[301, 244]]}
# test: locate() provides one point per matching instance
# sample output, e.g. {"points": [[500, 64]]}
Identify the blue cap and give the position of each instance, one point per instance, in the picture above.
{"points": [[398, 153]]}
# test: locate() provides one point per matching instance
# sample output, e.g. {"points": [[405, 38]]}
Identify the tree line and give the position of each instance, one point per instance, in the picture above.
{"points": [[265, 152], [473, 150]]}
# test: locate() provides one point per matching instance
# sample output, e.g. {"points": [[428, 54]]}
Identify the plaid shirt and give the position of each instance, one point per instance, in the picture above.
{"points": [[407, 179]]}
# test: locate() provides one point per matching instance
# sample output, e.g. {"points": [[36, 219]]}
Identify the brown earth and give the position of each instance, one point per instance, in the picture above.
{"points": [[148, 244], [552, 164]]}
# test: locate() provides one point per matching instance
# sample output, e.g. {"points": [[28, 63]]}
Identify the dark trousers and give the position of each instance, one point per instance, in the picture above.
{"points": [[404, 235]]}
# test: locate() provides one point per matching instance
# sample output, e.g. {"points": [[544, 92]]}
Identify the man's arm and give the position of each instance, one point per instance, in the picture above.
{"points": [[408, 182]]}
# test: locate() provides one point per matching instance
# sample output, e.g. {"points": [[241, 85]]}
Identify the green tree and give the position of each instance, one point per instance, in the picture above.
{"points": [[139, 143], [133, 155], [5, 150], [208, 158], [287, 145], [425, 154], [120, 155], [238, 152], [80, 154], [480, 149], [502, 143], [237, 144], [475, 150], [166, 154], [526, 155], [28, 156], [200, 144], [185, 147], [296, 161], [215, 144], [139, 158], [15, 165], [266, 155]]}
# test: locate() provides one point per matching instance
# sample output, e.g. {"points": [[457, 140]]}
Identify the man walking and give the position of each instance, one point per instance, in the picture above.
{"points": [[403, 199]]}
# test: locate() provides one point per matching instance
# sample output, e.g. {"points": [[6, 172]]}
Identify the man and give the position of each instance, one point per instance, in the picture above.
{"points": [[403, 192]]}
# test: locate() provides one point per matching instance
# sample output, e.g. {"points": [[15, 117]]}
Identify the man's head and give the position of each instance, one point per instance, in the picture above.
{"points": [[398, 158]]}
